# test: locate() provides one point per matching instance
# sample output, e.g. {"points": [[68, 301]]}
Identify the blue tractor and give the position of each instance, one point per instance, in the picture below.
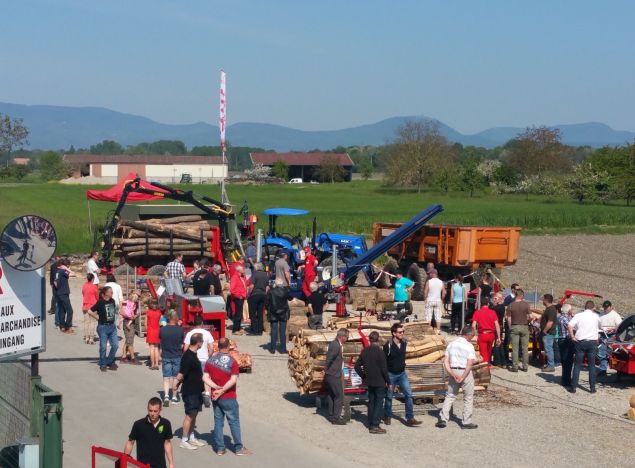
{"points": [[348, 246]]}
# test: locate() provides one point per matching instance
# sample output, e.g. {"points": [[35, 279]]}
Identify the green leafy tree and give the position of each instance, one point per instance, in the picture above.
{"points": [[13, 134], [173, 147], [505, 175], [366, 169], [446, 179], [539, 150], [330, 169], [15, 171], [52, 166], [107, 147], [588, 183], [619, 163], [471, 178], [280, 170]]}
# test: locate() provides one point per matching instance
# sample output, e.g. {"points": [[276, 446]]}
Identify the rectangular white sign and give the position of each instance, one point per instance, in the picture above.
{"points": [[21, 309]]}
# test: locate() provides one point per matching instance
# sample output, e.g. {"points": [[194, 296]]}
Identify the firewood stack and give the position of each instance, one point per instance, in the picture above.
{"points": [[307, 358], [308, 355], [158, 237]]}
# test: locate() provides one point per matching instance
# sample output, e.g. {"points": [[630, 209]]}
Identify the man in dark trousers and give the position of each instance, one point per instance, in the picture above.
{"points": [[335, 378], [395, 351], [278, 314], [52, 284], [257, 296], [371, 366], [153, 435]]}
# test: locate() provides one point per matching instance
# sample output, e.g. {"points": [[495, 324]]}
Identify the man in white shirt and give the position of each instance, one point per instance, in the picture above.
{"points": [[609, 320], [92, 267], [203, 353], [584, 328], [434, 292], [460, 356]]}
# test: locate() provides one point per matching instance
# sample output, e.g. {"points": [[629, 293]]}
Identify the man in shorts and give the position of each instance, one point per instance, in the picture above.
{"points": [[171, 337], [190, 377]]}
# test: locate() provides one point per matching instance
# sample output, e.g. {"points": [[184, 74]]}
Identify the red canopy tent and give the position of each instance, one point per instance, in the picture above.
{"points": [[113, 193]]}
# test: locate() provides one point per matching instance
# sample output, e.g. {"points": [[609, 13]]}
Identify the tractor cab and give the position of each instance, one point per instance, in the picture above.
{"points": [[276, 241]]}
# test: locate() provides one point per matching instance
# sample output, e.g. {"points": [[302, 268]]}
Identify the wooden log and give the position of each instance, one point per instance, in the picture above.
{"points": [[166, 229], [175, 219], [432, 357], [161, 253], [151, 241], [164, 247]]}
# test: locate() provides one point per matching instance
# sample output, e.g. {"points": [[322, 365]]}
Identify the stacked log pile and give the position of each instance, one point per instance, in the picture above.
{"points": [[188, 235], [307, 358]]}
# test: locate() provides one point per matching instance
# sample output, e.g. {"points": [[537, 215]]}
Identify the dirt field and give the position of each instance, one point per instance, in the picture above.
{"points": [[602, 264]]}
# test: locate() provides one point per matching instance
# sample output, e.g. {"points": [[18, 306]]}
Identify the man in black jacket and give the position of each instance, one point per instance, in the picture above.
{"points": [[258, 288], [334, 377], [371, 366], [395, 351], [278, 314]]}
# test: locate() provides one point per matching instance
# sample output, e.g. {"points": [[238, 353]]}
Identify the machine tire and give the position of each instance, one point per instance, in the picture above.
{"points": [[273, 252], [156, 270], [415, 273], [392, 267]]}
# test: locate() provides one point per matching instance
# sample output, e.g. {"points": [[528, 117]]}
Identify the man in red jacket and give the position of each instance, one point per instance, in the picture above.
{"points": [[485, 320], [238, 291]]}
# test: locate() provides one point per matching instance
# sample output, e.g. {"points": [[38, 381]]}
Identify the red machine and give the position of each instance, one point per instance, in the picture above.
{"points": [[621, 347], [210, 308], [568, 293]]}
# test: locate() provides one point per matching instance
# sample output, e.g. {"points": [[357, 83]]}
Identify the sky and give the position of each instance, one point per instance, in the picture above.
{"points": [[327, 64]]}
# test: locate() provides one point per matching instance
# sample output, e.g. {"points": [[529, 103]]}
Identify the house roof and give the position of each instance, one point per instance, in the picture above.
{"points": [[299, 159], [141, 159], [21, 161]]}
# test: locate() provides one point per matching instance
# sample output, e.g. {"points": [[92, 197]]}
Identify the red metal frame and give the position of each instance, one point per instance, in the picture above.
{"points": [[568, 293], [121, 459]]}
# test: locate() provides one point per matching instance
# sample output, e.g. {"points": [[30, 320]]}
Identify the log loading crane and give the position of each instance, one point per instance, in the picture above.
{"points": [[224, 249]]}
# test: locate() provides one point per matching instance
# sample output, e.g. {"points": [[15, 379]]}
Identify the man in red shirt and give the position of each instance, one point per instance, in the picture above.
{"points": [[310, 262], [485, 320], [221, 373]]}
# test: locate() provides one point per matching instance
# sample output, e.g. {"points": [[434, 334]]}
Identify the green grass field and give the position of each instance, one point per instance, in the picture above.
{"points": [[347, 207]]}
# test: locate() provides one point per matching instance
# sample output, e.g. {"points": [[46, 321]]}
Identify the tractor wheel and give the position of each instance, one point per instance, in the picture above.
{"points": [[273, 252], [385, 281], [416, 275], [156, 270]]}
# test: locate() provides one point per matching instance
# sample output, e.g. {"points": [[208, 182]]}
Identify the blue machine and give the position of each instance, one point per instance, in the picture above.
{"points": [[275, 241], [348, 246], [364, 261]]}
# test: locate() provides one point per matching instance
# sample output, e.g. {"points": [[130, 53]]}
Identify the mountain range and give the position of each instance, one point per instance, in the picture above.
{"points": [[56, 127]]}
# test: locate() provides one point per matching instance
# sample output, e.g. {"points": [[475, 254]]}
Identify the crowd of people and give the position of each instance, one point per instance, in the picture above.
{"points": [[196, 376]]}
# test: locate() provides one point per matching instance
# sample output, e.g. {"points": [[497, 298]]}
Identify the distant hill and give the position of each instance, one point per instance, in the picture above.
{"points": [[55, 127]]}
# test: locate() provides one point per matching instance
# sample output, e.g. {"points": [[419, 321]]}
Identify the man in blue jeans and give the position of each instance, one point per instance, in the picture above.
{"points": [[548, 326], [221, 373], [395, 351], [105, 312]]}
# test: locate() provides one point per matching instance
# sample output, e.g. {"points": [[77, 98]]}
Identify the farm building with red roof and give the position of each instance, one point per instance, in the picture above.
{"points": [[304, 165]]}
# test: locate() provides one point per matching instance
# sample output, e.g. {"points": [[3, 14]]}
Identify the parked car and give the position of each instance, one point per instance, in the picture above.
{"points": [[297, 180]]}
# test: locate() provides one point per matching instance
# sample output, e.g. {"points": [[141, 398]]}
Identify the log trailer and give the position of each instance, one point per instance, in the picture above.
{"points": [[222, 248]]}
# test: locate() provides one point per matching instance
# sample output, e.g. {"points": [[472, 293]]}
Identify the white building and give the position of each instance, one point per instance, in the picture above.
{"points": [[110, 168]]}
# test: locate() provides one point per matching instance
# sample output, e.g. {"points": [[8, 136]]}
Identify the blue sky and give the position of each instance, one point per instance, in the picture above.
{"points": [[327, 64]]}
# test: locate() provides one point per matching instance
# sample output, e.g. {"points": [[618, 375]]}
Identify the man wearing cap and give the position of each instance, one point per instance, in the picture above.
{"points": [[310, 262], [609, 320], [459, 358]]}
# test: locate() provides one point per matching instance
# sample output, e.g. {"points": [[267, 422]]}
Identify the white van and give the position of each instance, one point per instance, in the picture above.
{"points": [[297, 180]]}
